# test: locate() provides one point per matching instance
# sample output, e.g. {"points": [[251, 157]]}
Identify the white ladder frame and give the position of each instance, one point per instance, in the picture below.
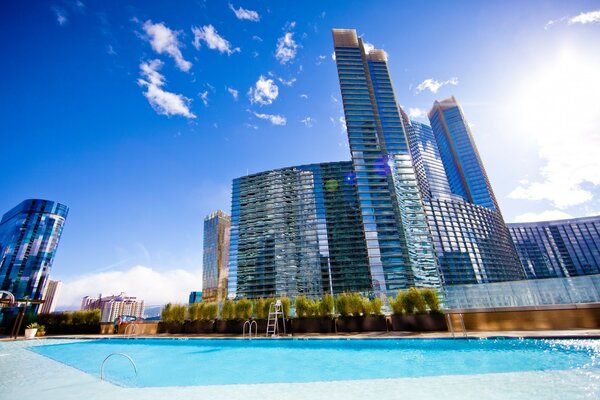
{"points": [[275, 310]]}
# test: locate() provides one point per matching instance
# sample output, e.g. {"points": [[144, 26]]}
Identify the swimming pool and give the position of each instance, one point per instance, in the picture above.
{"points": [[206, 362]]}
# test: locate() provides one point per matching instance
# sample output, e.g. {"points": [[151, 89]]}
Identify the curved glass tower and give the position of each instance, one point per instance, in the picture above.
{"points": [[29, 235]]}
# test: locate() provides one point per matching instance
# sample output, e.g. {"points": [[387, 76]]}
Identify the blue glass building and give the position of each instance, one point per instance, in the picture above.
{"points": [[215, 258], [565, 248], [399, 244], [295, 231], [29, 236]]}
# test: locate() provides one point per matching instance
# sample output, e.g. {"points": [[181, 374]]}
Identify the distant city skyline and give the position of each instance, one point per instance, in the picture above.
{"points": [[139, 116]]}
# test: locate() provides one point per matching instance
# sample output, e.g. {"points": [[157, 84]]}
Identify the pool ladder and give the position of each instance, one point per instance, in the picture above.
{"points": [[117, 354], [451, 325], [133, 331], [249, 324], [275, 312]]}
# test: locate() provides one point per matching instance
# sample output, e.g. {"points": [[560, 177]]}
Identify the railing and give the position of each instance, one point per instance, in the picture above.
{"points": [[116, 354], [451, 324], [133, 331], [250, 324]]}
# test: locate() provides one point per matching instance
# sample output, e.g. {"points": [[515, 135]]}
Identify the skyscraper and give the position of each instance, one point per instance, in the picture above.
{"points": [[29, 236], [50, 296], [297, 231], [215, 260], [399, 244]]}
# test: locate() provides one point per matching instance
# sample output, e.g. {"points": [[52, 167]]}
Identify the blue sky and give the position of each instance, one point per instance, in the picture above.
{"points": [[138, 115]]}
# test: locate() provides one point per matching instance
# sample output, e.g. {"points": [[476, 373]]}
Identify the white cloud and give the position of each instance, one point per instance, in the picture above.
{"points": [[61, 15], [164, 40], [308, 122], [320, 59], [208, 34], [548, 215], [286, 48], [557, 107], [287, 83], [416, 112], [264, 92], [304, 96], [153, 286], [242, 13], [163, 102], [333, 98], [368, 47], [435, 85], [251, 126], [257, 38], [233, 92], [590, 17], [333, 56], [204, 97], [274, 119], [342, 121]]}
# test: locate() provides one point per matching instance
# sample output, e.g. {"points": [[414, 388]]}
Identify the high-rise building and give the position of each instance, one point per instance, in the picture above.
{"points": [[112, 307], [399, 244], [215, 260], [297, 230], [564, 248], [195, 297], [471, 239], [50, 296], [29, 236]]}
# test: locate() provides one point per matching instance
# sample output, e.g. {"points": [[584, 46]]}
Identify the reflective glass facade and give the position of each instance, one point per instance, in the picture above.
{"points": [[297, 231], [29, 236], [563, 248], [215, 260], [399, 245]]}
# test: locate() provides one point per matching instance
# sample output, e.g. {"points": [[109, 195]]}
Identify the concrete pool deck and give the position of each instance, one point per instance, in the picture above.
{"points": [[28, 375]]}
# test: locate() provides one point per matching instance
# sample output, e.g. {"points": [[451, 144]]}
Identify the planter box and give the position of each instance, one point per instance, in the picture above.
{"points": [[232, 326], [404, 323], [432, 322], [170, 327], [306, 325], [199, 326], [374, 323], [349, 324], [30, 333]]}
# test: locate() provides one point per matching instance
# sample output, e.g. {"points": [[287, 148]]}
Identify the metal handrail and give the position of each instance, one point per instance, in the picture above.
{"points": [[131, 333], [249, 324], [117, 354]]}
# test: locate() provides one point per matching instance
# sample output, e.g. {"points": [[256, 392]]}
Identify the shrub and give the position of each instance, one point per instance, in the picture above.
{"points": [[174, 313], [326, 306], [302, 306], [356, 304], [268, 302], [196, 311], [33, 325], [397, 306], [259, 309], [376, 306], [366, 307], [228, 310], [243, 309], [342, 303], [417, 300], [431, 298], [211, 311], [285, 304], [410, 300]]}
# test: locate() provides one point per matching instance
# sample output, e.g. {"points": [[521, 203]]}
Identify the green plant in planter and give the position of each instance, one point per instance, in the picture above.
{"points": [[418, 300], [302, 306], [228, 310], [260, 309], [243, 309], [33, 325], [268, 302], [326, 306], [166, 314], [286, 304], [196, 311], [356, 304], [366, 307], [376, 304], [397, 304], [342, 303], [431, 298], [313, 308], [179, 313], [211, 311]]}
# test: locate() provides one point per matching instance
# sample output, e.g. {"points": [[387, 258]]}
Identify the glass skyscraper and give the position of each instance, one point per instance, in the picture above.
{"points": [[29, 236], [471, 240], [564, 248], [296, 231], [399, 244], [215, 260]]}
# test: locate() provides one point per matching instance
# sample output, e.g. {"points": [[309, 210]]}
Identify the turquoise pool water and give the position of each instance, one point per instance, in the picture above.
{"points": [[174, 362]]}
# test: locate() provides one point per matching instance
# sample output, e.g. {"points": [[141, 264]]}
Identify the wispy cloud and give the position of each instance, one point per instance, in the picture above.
{"points": [[244, 14], [286, 48], [163, 102], [264, 91], [308, 122], [434, 85], [164, 40], [304, 96], [274, 119], [251, 126], [548, 215], [416, 112], [208, 34], [233, 92], [320, 60], [288, 83], [204, 97], [61, 15], [590, 17]]}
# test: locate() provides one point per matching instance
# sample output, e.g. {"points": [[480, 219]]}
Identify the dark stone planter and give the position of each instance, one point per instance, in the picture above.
{"points": [[432, 322], [306, 325], [199, 326], [170, 327], [232, 326], [404, 323], [349, 324], [374, 323]]}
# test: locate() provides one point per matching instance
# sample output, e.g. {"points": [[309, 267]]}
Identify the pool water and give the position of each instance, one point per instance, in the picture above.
{"points": [[176, 362]]}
